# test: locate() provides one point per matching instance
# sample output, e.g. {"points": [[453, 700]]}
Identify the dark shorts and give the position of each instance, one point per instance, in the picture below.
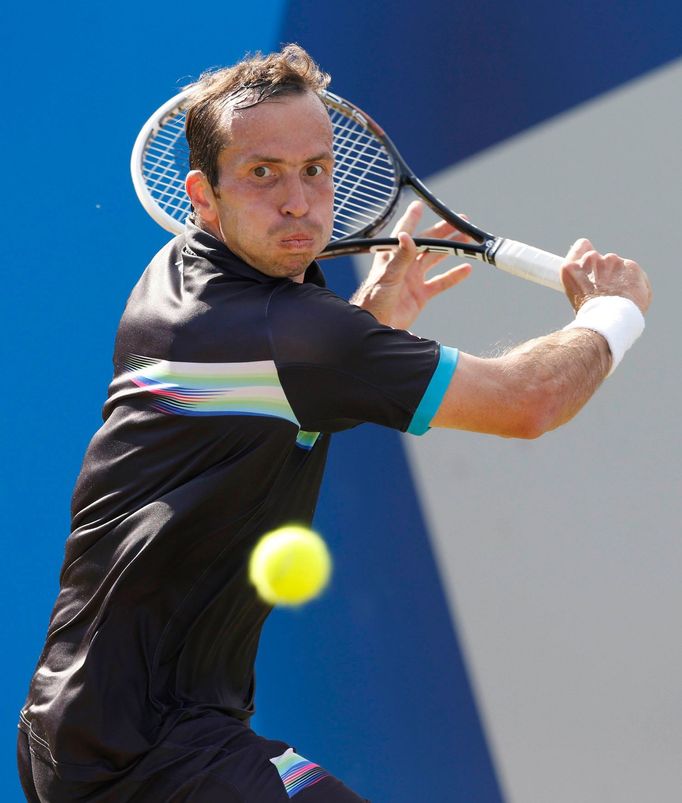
{"points": [[211, 759]]}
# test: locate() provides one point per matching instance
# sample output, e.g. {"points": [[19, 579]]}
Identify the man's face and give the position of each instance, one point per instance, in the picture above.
{"points": [[275, 193]]}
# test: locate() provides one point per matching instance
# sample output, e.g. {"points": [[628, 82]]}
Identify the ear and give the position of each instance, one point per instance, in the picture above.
{"points": [[201, 194]]}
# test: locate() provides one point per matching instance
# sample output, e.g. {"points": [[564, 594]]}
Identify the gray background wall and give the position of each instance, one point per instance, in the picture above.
{"points": [[562, 557]]}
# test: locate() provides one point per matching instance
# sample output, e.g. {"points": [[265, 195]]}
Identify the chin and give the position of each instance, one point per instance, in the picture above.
{"points": [[297, 264], [297, 272]]}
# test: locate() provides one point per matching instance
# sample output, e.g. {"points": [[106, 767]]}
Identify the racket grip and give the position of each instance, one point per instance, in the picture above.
{"points": [[530, 263]]}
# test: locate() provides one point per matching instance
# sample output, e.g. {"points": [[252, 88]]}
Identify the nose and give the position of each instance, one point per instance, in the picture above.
{"points": [[295, 202]]}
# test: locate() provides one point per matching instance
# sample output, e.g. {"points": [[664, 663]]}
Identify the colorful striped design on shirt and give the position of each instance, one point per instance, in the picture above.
{"points": [[296, 772], [193, 388], [306, 440]]}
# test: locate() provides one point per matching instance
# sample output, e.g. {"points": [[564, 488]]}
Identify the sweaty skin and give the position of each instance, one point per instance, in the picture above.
{"points": [[273, 205], [544, 382]]}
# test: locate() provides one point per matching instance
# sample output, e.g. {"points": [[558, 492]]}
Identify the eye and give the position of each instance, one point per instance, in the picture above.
{"points": [[314, 170], [262, 171]]}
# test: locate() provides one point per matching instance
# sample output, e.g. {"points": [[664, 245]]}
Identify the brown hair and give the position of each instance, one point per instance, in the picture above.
{"points": [[251, 81]]}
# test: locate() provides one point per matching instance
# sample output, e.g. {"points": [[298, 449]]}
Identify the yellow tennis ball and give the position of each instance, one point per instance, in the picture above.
{"points": [[290, 566]]}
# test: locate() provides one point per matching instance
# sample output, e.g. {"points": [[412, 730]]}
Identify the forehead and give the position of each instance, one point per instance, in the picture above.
{"points": [[288, 122]]}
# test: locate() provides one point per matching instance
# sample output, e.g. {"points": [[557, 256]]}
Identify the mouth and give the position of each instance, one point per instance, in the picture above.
{"points": [[297, 240]]}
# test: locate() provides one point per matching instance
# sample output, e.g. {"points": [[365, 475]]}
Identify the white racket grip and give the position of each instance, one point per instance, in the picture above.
{"points": [[532, 264]]}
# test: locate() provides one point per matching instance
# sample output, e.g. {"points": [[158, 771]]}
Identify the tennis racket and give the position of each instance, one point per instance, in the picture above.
{"points": [[369, 176]]}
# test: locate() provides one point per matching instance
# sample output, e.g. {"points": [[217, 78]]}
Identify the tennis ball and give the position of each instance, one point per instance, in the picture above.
{"points": [[290, 566]]}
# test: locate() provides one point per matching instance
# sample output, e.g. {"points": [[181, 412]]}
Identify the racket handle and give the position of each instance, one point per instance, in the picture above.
{"points": [[529, 263]]}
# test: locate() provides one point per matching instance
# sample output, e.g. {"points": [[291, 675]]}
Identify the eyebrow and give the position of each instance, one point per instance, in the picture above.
{"points": [[320, 157]]}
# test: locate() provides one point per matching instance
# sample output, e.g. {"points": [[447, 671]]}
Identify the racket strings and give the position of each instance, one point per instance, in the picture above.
{"points": [[365, 182], [165, 165]]}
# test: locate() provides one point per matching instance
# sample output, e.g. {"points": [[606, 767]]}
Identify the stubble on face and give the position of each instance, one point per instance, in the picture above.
{"points": [[275, 209]]}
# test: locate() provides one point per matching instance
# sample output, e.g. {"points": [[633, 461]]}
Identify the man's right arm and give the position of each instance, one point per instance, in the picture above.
{"points": [[543, 383]]}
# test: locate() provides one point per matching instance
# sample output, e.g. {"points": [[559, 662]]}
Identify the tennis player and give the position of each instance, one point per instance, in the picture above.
{"points": [[233, 367]]}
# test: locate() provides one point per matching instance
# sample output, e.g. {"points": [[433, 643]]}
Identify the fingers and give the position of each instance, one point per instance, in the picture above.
{"points": [[411, 217], [447, 280], [440, 230], [587, 273], [578, 249], [395, 264], [444, 230], [408, 222], [406, 264], [407, 250]]}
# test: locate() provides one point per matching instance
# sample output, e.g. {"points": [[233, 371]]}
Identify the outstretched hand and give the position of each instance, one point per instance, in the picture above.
{"points": [[397, 288]]}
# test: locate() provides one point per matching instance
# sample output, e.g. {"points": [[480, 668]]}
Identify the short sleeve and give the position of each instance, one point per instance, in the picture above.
{"points": [[339, 367], [430, 402]]}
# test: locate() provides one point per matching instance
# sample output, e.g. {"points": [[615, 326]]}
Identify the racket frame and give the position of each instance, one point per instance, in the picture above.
{"points": [[363, 240], [519, 259], [170, 109]]}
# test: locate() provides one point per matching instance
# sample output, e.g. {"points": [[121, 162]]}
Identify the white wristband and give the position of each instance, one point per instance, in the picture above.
{"points": [[617, 319]]}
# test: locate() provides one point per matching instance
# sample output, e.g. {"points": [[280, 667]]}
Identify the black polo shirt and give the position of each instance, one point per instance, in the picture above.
{"points": [[226, 388]]}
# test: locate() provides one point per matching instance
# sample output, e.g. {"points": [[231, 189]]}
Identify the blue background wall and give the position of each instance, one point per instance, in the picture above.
{"points": [[377, 688]]}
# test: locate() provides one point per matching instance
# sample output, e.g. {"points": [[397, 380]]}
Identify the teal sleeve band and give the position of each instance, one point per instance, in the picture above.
{"points": [[433, 395]]}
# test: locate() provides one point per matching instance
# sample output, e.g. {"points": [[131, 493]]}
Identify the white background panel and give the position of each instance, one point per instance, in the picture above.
{"points": [[562, 557]]}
